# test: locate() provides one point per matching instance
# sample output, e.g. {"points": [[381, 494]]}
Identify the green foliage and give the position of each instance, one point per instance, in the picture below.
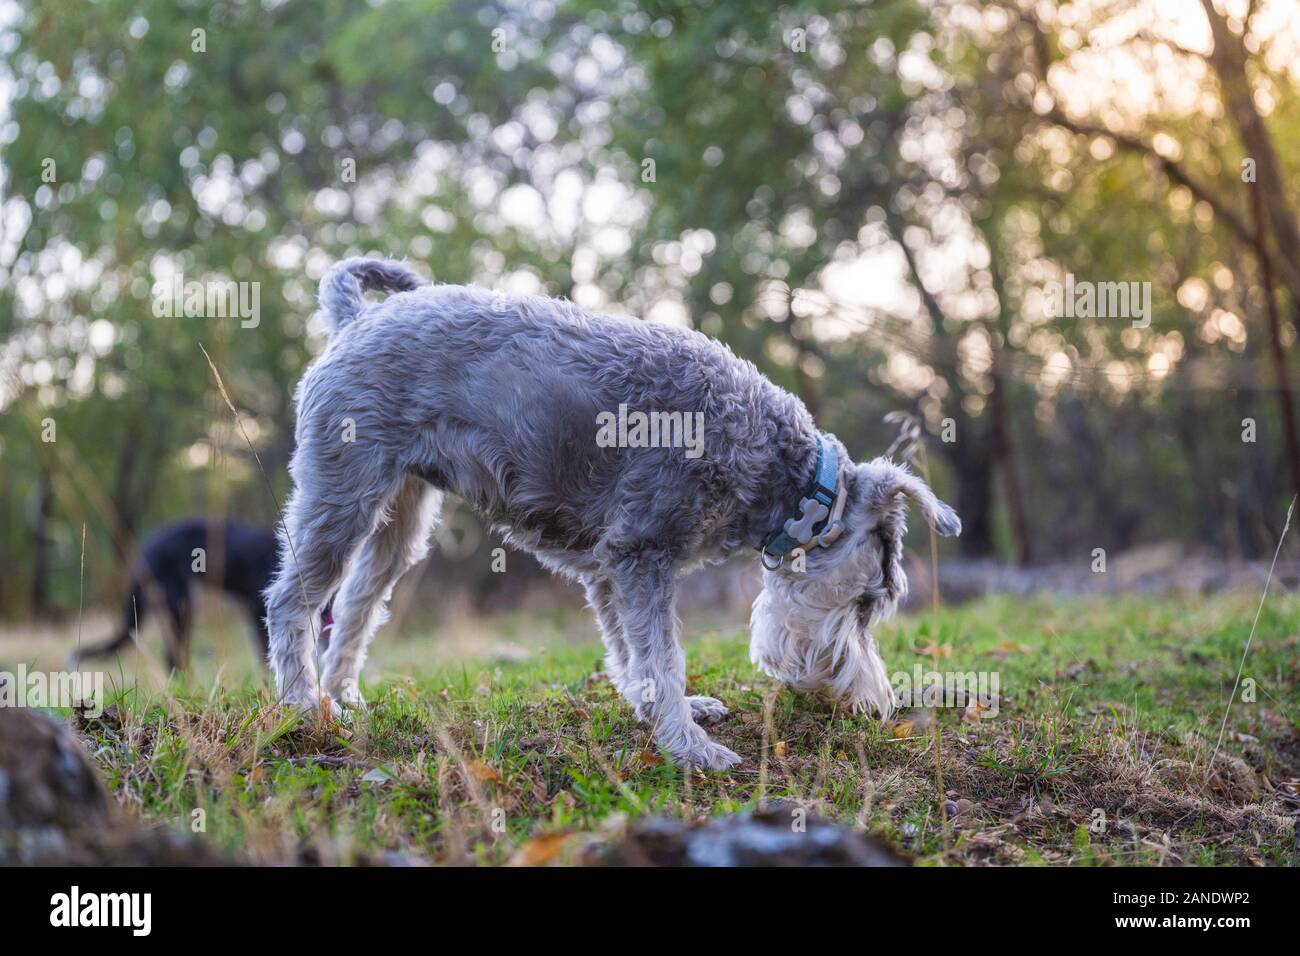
{"points": [[787, 142]]}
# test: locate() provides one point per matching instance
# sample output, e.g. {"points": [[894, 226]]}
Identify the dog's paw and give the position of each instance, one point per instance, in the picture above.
{"points": [[711, 756], [707, 708], [694, 748], [302, 698], [346, 694]]}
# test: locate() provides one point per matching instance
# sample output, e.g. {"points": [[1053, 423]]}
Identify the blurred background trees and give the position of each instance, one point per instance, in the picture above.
{"points": [[867, 200]]}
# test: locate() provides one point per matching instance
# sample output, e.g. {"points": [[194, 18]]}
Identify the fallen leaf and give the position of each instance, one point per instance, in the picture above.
{"points": [[912, 723], [1014, 646], [935, 651], [483, 772], [539, 850]]}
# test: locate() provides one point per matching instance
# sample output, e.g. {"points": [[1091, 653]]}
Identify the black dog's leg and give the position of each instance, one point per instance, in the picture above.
{"points": [[177, 597]]}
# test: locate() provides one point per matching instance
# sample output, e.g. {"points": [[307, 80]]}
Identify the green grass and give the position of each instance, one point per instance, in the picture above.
{"points": [[1100, 754]]}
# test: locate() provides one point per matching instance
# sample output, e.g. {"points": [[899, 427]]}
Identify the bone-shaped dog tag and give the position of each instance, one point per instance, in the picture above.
{"points": [[813, 512]]}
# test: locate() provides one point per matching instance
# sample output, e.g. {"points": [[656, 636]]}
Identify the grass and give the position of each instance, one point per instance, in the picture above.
{"points": [[1098, 755]]}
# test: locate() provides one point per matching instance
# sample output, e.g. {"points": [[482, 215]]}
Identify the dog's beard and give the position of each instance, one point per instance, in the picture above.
{"points": [[816, 638]]}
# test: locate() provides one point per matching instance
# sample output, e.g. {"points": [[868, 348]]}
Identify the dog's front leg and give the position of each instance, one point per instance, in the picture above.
{"points": [[655, 679]]}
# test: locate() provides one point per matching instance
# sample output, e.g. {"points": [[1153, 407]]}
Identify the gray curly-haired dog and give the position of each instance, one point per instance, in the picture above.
{"points": [[510, 403]]}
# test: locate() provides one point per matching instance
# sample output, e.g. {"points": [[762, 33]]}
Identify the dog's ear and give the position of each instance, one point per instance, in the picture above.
{"points": [[891, 480], [941, 517]]}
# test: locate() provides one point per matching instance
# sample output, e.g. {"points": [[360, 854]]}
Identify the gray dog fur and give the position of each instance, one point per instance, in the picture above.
{"points": [[495, 398]]}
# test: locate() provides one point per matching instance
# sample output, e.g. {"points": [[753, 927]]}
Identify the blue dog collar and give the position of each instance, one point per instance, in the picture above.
{"points": [[822, 504]]}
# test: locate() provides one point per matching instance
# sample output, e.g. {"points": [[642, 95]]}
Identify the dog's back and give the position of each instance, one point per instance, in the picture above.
{"points": [[534, 375], [236, 557]]}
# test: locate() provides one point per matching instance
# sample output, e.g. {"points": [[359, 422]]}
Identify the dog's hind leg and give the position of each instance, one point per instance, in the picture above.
{"points": [[319, 536], [643, 593], [361, 606]]}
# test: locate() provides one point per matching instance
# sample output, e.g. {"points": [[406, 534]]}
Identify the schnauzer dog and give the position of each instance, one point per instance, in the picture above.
{"points": [[508, 402]]}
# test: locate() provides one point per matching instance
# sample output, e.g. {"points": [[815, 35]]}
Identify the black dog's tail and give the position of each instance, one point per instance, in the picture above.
{"points": [[132, 615], [342, 293]]}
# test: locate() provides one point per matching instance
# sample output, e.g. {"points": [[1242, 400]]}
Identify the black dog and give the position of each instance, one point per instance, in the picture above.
{"points": [[238, 558]]}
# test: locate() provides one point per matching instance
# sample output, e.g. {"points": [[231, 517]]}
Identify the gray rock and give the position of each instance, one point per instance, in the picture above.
{"points": [[54, 809], [776, 835]]}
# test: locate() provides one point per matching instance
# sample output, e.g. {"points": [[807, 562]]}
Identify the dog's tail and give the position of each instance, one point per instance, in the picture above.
{"points": [[133, 614], [342, 293]]}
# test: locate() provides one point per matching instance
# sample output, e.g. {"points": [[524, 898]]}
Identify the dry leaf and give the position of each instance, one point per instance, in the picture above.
{"points": [[973, 710], [1015, 646], [483, 772], [540, 850], [935, 651]]}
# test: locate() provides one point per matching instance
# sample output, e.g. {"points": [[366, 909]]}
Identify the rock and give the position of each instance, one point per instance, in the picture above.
{"points": [[55, 810], [767, 837], [45, 778], [959, 812]]}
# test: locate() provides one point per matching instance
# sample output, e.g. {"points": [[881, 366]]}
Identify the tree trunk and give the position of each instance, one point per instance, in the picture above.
{"points": [[1229, 61], [1278, 350], [1007, 465], [1002, 441], [41, 543], [973, 469], [970, 453]]}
